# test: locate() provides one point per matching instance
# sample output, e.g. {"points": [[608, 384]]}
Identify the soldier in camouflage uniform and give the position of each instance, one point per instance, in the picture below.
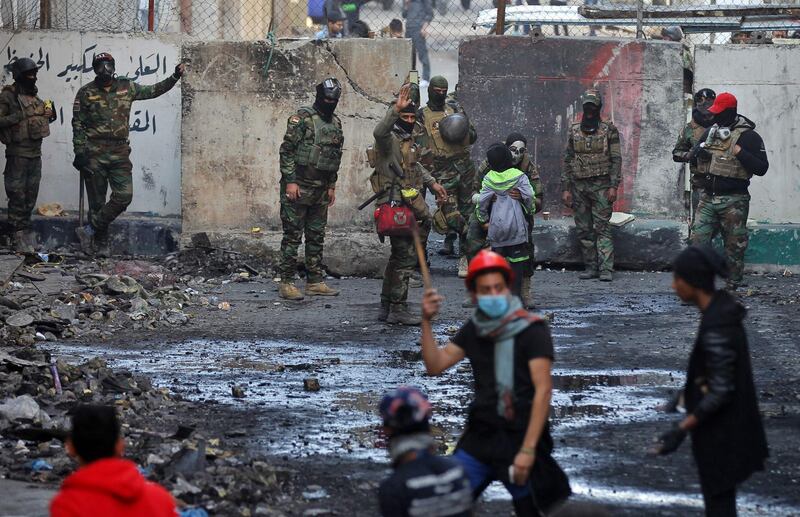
{"points": [[310, 156], [476, 233], [100, 122], [395, 145], [727, 161], [589, 181], [24, 121], [450, 164], [690, 136]]}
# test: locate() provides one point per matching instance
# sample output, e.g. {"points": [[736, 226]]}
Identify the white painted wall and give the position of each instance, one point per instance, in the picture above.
{"points": [[65, 65], [766, 81]]}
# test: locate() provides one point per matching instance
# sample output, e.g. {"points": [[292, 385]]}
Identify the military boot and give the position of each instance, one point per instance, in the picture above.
{"points": [[415, 280], [384, 312], [288, 291], [86, 238], [463, 267], [399, 315], [320, 289], [588, 274], [606, 276], [20, 244], [30, 238], [448, 249], [101, 247]]}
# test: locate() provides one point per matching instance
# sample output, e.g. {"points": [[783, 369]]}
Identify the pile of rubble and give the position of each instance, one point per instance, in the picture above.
{"points": [[200, 470]]}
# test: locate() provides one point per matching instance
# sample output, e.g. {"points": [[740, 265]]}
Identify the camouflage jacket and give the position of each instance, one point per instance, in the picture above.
{"points": [[687, 139], [444, 156], [103, 114], [613, 152], [300, 135], [22, 141], [531, 171]]}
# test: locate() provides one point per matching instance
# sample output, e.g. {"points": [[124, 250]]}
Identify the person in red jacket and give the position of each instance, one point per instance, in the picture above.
{"points": [[105, 484]]}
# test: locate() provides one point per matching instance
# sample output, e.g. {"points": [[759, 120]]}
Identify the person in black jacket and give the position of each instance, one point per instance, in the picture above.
{"points": [[422, 482], [727, 155], [728, 440]]}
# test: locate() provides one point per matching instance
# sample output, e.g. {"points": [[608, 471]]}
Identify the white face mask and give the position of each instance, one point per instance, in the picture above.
{"points": [[517, 151]]}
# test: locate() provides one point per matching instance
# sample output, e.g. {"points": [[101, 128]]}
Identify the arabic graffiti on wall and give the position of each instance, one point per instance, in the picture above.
{"points": [[65, 64]]}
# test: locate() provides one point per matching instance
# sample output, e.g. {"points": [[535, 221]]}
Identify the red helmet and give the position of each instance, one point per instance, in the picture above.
{"points": [[487, 260]]}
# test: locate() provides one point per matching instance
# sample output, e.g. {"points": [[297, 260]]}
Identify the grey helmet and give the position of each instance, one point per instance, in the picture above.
{"points": [[454, 128]]}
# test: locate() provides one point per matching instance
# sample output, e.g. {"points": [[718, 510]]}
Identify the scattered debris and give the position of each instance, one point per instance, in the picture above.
{"points": [[311, 384], [237, 392]]}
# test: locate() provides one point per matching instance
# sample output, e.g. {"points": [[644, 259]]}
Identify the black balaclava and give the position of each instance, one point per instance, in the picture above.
{"points": [[516, 137], [499, 157], [21, 70], [726, 118], [702, 117], [28, 84], [436, 100], [591, 118], [331, 90], [698, 265], [402, 125]]}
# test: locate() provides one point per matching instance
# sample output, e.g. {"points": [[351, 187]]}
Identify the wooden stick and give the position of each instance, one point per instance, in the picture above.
{"points": [[423, 264]]}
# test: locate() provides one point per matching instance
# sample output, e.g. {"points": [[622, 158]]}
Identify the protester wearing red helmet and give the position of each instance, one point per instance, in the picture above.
{"points": [[728, 154], [511, 354]]}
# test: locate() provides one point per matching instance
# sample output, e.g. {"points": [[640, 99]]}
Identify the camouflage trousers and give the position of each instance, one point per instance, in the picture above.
{"points": [[402, 262], [457, 179], [726, 215], [22, 177], [109, 165], [308, 216], [476, 241], [592, 212]]}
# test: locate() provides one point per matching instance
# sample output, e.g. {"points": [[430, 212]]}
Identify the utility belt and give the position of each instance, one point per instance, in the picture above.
{"points": [[101, 140], [312, 174], [723, 186]]}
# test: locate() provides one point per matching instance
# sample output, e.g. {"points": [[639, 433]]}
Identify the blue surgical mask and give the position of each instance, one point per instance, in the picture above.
{"points": [[493, 306]]}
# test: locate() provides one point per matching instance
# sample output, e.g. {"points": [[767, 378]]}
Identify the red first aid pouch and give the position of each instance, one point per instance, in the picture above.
{"points": [[394, 221]]}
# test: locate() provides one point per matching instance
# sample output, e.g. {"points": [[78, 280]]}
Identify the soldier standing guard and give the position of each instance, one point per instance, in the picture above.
{"points": [[24, 122], [690, 136], [310, 156], [399, 179], [100, 126], [589, 181], [449, 163]]}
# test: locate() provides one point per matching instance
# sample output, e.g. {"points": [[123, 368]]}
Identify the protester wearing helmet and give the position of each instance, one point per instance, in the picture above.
{"points": [[24, 122], [420, 478], [690, 136], [398, 181], [100, 137], [476, 233], [728, 155], [511, 354], [589, 182], [310, 156]]}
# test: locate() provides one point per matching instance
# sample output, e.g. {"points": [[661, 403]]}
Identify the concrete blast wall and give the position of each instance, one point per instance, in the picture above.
{"points": [[766, 82], [520, 84], [65, 64], [234, 120]]}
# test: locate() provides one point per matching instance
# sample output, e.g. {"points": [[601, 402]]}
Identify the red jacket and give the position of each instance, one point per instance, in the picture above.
{"points": [[111, 487]]}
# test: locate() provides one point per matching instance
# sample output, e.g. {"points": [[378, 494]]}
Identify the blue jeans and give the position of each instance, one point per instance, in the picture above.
{"points": [[481, 475]]}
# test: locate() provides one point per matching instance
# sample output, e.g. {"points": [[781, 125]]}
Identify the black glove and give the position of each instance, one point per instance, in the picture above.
{"points": [[671, 440], [81, 160], [699, 153], [178, 72]]}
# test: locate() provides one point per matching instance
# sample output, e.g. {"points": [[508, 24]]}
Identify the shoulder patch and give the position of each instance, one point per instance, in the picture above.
{"points": [[294, 120]]}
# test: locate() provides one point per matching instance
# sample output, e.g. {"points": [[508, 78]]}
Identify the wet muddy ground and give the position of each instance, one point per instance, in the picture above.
{"points": [[621, 349]]}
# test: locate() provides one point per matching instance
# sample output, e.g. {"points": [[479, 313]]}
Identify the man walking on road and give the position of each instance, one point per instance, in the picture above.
{"points": [[418, 15], [511, 354], [100, 118]]}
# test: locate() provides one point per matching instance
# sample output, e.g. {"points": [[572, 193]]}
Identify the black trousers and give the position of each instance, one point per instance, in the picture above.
{"points": [[720, 504]]}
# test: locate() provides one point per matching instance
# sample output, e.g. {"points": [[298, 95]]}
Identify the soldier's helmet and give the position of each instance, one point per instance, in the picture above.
{"points": [[330, 89], [102, 57], [454, 128], [592, 96], [23, 66]]}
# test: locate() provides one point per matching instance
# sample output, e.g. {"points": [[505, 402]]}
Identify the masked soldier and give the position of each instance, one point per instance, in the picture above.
{"points": [[310, 156], [24, 122], [589, 181], [395, 151], [728, 155], [100, 118], [690, 136], [476, 233], [449, 161]]}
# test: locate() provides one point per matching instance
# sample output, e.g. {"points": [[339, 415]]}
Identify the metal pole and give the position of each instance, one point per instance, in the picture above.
{"points": [[151, 15], [500, 27], [639, 15], [44, 14]]}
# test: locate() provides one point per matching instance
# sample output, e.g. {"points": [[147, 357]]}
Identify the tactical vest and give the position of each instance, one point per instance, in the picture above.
{"points": [[34, 124], [320, 150], [723, 162], [439, 147], [592, 157], [692, 134], [410, 153]]}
